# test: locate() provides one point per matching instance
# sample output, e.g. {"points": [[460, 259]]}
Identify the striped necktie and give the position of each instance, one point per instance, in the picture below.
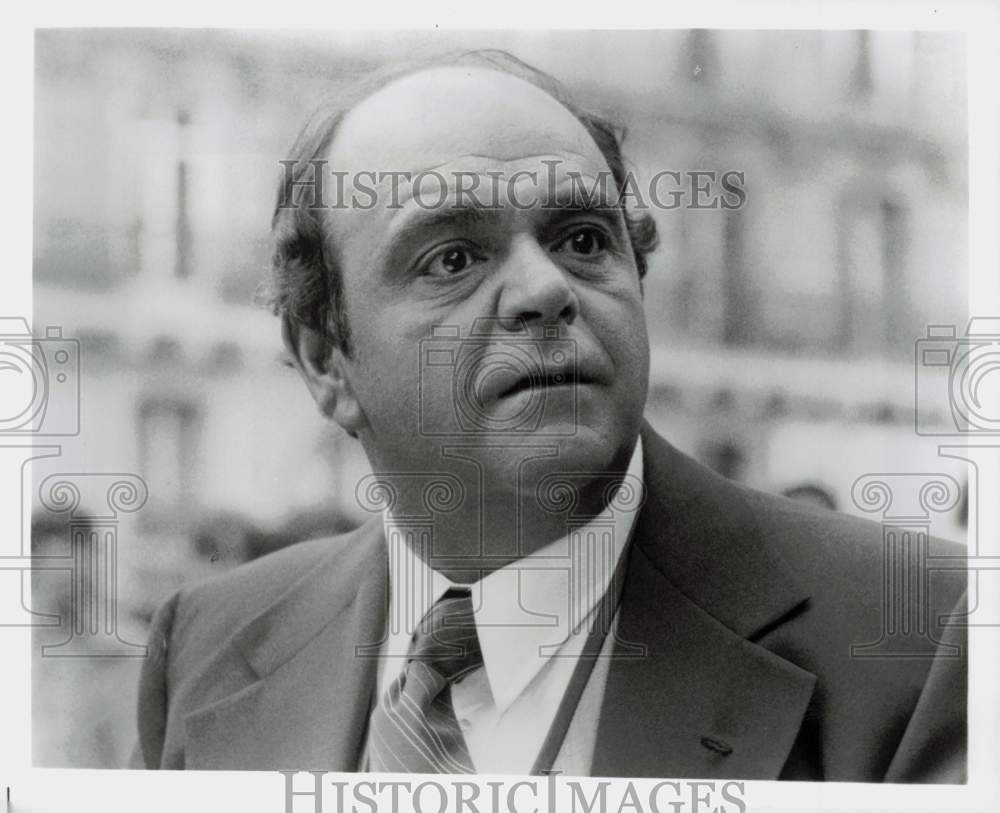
{"points": [[413, 729]]}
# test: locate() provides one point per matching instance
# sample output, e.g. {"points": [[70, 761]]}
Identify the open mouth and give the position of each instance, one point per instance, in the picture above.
{"points": [[540, 383]]}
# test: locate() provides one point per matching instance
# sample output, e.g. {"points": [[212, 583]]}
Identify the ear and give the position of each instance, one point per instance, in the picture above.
{"points": [[324, 369]]}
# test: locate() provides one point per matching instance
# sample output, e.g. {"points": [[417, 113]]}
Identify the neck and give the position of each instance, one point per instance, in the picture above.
{"points": [[492, 521]]}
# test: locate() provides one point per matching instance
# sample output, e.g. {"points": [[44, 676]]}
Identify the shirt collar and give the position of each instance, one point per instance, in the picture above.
{"points": [[525, 612]]}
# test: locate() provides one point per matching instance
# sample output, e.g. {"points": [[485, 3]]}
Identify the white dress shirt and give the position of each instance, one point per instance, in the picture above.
{"points": [[525, 617]]}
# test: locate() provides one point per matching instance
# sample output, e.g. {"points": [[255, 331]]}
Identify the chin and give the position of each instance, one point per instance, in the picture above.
{"points": [[580, 449], [593, 449]]}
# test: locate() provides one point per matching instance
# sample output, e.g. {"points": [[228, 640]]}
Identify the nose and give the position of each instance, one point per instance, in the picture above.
{"points": [[535, 288]]}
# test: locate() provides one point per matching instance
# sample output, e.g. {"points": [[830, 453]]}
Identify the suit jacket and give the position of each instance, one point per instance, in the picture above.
{"points": [[748, 606]]}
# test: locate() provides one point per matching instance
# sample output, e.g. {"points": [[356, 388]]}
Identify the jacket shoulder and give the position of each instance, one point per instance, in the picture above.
{"points": [[212, 609], [833, 553]]}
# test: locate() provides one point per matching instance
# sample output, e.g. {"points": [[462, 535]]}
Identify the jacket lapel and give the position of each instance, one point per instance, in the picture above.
{"points": [[703, 700], [309, 706]]}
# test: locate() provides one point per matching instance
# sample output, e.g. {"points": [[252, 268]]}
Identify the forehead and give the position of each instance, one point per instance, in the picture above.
{"points": [[444, 115]]}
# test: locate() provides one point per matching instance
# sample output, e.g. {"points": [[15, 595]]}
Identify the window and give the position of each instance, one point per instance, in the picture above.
{"points": [[871, 258], [168, 446]]}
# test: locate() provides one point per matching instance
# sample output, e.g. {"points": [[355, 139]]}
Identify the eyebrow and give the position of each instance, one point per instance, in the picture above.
{"points": [[576, 194], [574, 201], [418, 221]]}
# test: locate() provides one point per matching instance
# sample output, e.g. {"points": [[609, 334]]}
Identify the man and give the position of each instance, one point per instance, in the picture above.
{"points": [[550, 585]]}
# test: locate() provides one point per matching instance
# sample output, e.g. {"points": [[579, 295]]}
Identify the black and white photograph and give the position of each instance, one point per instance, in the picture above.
{"points": [[504, 419]]}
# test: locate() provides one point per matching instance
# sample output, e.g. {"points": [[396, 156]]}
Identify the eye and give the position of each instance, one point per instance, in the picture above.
{"points": [[449, 261], [587, 241]]}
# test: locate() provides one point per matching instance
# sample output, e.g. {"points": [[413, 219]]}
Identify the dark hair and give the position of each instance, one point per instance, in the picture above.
{"points": [[306, 286]]}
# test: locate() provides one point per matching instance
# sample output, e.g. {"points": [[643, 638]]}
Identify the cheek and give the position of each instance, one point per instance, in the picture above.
{"points": [[384, 363], [619, 319]]}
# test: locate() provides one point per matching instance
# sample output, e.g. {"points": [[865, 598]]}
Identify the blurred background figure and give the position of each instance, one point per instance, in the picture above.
{"points": [[782, 331]]}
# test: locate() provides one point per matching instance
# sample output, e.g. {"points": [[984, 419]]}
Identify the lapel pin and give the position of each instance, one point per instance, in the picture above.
{"points": [[720, 747]]}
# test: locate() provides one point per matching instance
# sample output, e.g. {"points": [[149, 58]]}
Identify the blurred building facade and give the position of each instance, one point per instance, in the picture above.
{"points": [[783, 331]]}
